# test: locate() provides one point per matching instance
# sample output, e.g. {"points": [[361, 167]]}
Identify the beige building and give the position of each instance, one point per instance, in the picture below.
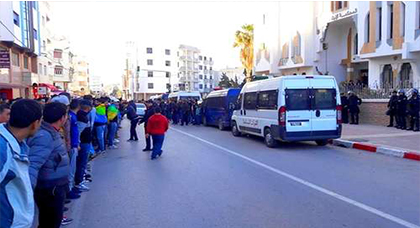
{"points": [[80, 83]]}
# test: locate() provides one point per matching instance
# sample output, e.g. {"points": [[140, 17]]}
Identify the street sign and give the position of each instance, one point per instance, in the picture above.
{"points": [[4, 59]]}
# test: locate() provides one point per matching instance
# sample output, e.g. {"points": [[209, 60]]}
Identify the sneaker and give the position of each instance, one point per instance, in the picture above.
{"points": [[116, 141], [82, 187], [66, 221], [113, 147], [130, 140], [73, 195]]}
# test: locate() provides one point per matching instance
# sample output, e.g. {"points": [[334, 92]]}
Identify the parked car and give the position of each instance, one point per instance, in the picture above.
{"points": [[141, 109], [218, 107], [289, 108]]}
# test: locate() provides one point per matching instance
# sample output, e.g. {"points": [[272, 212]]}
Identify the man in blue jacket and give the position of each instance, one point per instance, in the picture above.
{"points": [[74, 144], [15, 183], [49, 166]]}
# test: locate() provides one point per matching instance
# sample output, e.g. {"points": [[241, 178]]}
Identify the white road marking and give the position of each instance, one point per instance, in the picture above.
{"points": [[309, 184]]}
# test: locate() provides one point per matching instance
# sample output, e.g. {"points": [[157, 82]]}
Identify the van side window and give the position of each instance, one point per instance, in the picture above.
{"points": [[297, 99], [239, 102], [215, 102], [250, 100], [324, 99], [267, 99]]}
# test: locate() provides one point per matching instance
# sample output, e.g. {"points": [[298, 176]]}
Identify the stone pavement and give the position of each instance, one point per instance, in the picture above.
{"points": [[382, 136]]}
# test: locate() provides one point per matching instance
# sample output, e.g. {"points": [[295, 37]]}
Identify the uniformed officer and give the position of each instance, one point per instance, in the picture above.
{"points": [[401, 110], [354, 102], [414, 105], [392, 108]]}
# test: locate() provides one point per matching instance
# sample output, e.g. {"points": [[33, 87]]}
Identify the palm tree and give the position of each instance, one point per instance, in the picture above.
{"points": [[245, 40]]}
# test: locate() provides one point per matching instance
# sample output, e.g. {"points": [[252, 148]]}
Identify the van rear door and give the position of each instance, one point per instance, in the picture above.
{"points": [[324, 105], [298, 105]]}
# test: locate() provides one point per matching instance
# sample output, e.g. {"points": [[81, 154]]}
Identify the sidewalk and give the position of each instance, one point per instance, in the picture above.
{"points": [[381, 139]]}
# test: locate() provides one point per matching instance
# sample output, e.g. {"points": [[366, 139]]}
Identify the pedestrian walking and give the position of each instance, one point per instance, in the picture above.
{"points": [[414, 105], [345, 105], [392, 108], [17, 206], [148, 114], [401, 110], [134, 119], [157, 125], [49, 166], [186, 110]]}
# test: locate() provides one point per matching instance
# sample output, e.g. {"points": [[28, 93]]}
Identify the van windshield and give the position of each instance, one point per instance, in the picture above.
{"points": [[324, 99], [297, 99]]}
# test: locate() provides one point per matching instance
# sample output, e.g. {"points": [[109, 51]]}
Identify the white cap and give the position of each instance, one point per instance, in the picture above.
{"points": [[61, 99]]}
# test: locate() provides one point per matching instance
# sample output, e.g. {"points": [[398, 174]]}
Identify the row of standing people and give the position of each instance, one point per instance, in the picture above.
{"points": [[400, 107], [44, 152]]}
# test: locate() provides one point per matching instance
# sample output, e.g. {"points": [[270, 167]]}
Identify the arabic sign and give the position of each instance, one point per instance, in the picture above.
{"points": [[342, 15], [4, 59]]}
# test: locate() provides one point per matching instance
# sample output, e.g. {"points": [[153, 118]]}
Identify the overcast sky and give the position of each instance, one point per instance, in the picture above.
{"points": [[99, 30]]}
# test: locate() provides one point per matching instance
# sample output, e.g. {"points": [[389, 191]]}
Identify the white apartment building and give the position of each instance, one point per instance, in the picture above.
{"points": [[196, 71], [375, 43], [95, 84], [62, 62], [80, 83], [45, 59], [234, 73]]}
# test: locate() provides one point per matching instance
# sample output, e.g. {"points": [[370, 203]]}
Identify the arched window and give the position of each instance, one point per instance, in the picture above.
{"points": [[405, 79], [297, 49], [386, 77], [356, 44]]}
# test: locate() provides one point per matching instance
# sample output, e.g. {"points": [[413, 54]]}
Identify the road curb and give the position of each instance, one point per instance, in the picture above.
{"points": [[376, 149]]}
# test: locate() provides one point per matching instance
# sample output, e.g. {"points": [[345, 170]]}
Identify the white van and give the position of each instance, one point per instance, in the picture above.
{"points": [[289, 108], [183, 95]]}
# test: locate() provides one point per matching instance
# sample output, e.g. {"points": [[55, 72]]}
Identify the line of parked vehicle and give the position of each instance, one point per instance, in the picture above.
{"points": [[288, 108]]}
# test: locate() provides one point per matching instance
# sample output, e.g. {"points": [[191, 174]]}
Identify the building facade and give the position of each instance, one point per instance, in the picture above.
{"points": [[375, 44], [95, 84], [80, 83], [19, 48], [234, 73]]}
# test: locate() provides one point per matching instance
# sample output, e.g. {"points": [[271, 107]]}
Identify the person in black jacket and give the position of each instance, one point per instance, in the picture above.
{"points": [[134, 119], [392, 108], [85, 141], [345, 105], [354, 102], [414, 105], [401, 110], [147, 115]]}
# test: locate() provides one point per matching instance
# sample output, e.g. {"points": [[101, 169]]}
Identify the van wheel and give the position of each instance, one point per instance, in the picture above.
{"points": [[321, 142], [268, 138], [235, 130], [205, 121], [220, 125]]}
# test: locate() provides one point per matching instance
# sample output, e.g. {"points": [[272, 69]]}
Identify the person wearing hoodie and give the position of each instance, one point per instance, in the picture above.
{"points": [[100, 124], [25, 120], [49, 166], [74, 143], [157, 125]]}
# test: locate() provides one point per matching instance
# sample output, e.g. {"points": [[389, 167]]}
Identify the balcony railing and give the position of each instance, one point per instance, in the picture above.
{"points": [[378, 91]]}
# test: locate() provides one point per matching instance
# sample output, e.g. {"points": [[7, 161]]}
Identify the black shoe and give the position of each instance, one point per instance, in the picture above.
{"points": [[416, 130], [67, 201], [129, 140], [73, 195], [145, 149], [135, 140], [410, 129], [390, 125]]}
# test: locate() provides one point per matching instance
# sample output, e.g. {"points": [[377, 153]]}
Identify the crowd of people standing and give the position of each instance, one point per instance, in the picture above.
{"points": [[400, 107], [46, 147]]}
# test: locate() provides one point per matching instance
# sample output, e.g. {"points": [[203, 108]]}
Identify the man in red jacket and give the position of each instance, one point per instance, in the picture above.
{"points": [[157, 125]]}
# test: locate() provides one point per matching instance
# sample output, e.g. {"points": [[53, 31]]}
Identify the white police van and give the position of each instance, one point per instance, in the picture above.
{"points": [[289, 108], [183, 95]]}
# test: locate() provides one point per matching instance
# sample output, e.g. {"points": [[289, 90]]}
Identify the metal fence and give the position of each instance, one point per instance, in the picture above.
{"points": [[378, 91]]}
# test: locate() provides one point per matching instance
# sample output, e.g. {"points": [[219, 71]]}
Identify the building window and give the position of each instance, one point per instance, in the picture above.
{"points": [[25, 62], [200, 86], [150, 62], [167, 63], [149, 50], [338, 5], [379, 23], [205, 76], [211, 86], [402, 20], [405, 79], [205, 67], [356, 44], [149, 74], [367, 28], [40, 69], [168, 74], [45, 70], [201, 76], [418, 15], [211, 68], [205, 86], [15, 59], [200, 67], [390, 21], [150, 85], [211, 77], [58, 53], [58, 70], [35, 34], [205, 58], [167, 52], [43, 21], [211, 59], [16, 18], [200, 57], [44, 45]]}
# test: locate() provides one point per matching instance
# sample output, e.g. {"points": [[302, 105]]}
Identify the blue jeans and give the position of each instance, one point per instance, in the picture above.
{"points": [[157, 145], [73, 160], [82, 161], [112, 130], [100, 134]]}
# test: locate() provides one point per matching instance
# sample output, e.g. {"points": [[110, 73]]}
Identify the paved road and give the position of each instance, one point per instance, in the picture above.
{"points": [[208, 178]]}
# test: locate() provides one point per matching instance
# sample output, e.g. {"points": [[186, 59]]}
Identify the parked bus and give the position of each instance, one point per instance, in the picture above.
{"points": [[218, 107]]}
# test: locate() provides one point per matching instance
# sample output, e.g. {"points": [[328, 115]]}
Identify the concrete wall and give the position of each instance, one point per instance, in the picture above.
{"points": [[373, 112]]}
